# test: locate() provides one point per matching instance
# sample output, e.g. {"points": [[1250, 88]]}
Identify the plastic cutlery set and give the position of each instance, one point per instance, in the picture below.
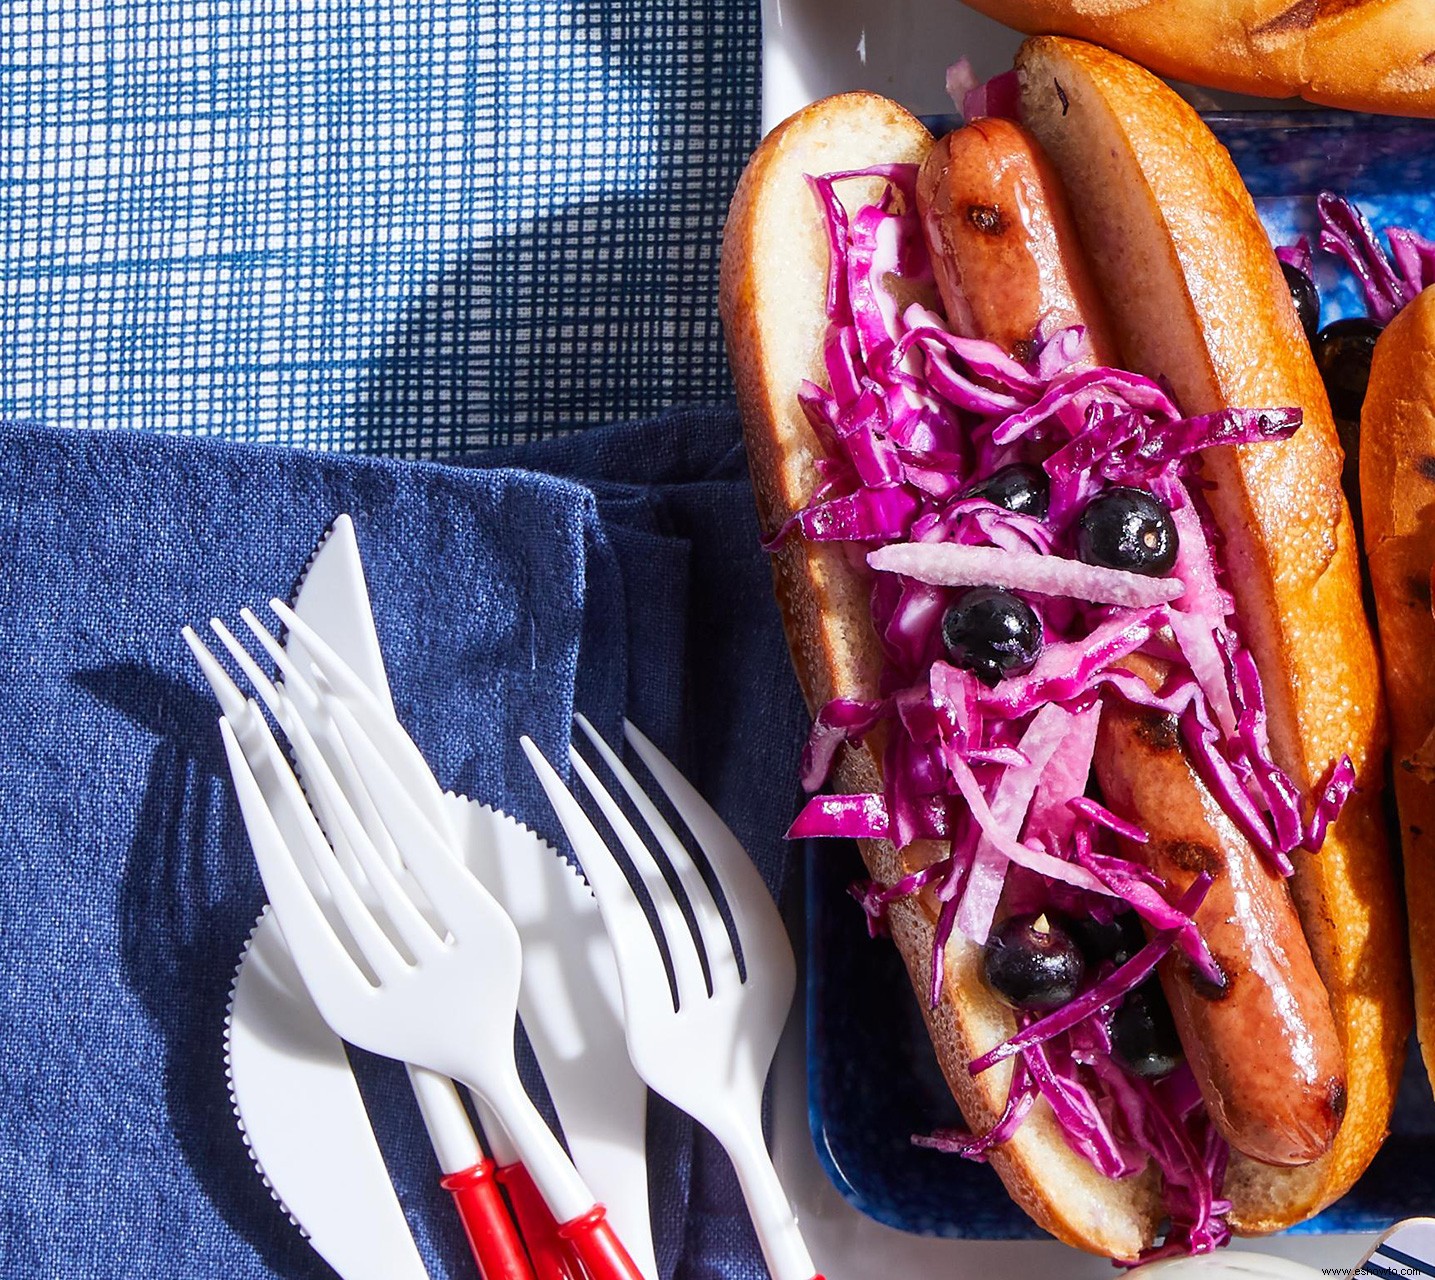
{"points": [[420, 926]]}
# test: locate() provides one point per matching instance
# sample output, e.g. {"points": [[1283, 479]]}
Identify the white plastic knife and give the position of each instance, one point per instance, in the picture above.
{"points": [[298, 1107], [570, 1003]]}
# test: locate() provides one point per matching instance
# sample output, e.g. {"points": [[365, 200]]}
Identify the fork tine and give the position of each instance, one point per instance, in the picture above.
{"points": [[347, 826], [373, 943], [370, 836], [329, 970], [268, 694], [284, 711], [303, 698], [294, 678], [319, 727], [748, 898], [682, 945], [231, 701], [641, 966], [722, 960], [429, 854], [244, 721], [407, 760]]}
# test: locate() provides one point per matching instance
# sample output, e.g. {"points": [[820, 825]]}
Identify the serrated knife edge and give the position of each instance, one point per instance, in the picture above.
{"points": [[229, 1076], [294, 1093]]}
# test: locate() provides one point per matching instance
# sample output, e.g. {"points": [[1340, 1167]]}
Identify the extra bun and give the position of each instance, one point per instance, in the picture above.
{"points": [[1365, 55], [1397, 494]]}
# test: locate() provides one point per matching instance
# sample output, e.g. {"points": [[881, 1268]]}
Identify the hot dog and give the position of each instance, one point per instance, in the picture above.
{"points": [[1189, 298], [1262, 1041], [1006, 255]]}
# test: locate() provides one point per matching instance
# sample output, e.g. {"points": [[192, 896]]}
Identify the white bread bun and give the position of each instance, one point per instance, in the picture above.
{"points": [[1364, 55]]}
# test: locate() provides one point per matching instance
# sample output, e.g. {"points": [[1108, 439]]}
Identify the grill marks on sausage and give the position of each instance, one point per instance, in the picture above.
{"points": [[1158, 732], [1426, 465], [1217, 989], [1195, 857], [1338, 1099], [988, 219]]}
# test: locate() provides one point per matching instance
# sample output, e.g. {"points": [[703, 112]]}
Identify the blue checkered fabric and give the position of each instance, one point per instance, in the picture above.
{"points": [[399, 226]]}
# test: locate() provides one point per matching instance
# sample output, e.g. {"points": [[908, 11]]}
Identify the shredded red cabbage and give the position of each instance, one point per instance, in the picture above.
{"points": [[1106, 993], [1390, 281], [1296, 255], [913, 416], [999, 96], [1021, 1097]]}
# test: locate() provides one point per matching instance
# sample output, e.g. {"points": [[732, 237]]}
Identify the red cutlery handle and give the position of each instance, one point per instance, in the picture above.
{"points": [[549, 1251], [491, 1234], [597, 1247]]}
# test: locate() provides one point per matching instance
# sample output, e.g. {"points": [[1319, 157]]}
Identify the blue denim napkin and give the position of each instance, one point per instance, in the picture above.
{"points": [[503, 598]]}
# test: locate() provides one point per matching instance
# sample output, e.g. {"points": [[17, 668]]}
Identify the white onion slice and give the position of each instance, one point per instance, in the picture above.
{"points": [[949, 564]]}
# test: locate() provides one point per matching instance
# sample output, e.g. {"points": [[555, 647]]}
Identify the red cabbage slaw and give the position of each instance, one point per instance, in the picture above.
{"points": [[914, 416], [1389, 281]]}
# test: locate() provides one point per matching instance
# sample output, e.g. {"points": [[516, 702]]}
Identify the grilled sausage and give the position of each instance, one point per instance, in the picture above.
{"points": [[1262, 1043], [1263, 1046], [1008, 263]]}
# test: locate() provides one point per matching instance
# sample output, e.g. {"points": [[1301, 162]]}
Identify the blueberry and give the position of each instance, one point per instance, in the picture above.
{"points": [[1143, 1034], [992, 633], [1018, 487], [1342, 353], [1032, 963], [1117, 939], [1129, 529], [1305, 297]]}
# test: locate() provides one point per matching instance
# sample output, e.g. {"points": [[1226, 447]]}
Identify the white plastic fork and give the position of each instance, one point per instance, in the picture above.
{"points": [[709, 1052], [445, 997], [470, 1174]]}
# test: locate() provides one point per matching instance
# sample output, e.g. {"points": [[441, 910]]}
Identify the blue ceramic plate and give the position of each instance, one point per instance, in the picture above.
{"points": [[872, 1077]]}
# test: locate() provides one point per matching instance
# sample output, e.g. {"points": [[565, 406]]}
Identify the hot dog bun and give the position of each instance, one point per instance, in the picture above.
{"points": [[1203, 269], [1397, 490], [1196, 296], [774, 270], [1365, 55]]}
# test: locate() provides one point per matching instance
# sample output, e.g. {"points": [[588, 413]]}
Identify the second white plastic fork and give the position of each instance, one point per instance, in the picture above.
{"points": [[710, 1050], [446, 996]]}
